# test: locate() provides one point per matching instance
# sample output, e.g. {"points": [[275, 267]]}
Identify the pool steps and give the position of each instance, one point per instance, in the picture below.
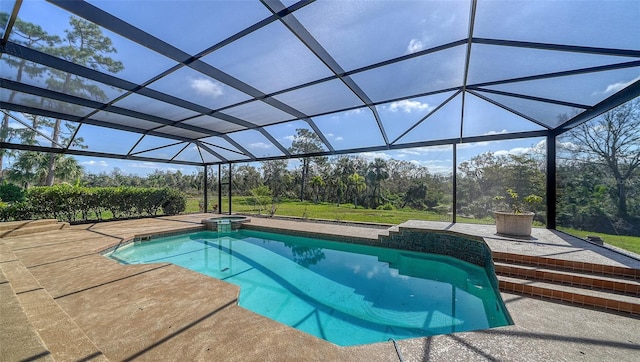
{"points": [[605, 287], [224, 226], [607, 283], [616, 289]]}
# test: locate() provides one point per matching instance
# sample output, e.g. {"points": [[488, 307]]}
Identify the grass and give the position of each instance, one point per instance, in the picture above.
{"points": [[331, 211], [631, 243], [309, 210], [347, 212]]}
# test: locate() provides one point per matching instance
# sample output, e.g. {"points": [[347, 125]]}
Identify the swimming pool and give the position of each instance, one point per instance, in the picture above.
{"points": [[348, 294]]}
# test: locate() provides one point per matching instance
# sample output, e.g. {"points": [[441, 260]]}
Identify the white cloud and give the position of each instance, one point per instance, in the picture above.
{"points": [[207, 87], [442, 167], [259, 145], [154, 165], [496, 132], [354, 111], [290, 138], [339, 138], [424, 150], [144, 165], [408, 106], [570, 146], [513, 151], [612, 88], [95, 163], [374, 155], [540, 146], [415, 45]]}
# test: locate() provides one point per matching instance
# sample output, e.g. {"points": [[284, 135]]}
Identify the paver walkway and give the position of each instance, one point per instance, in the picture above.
{"points": [[60, 286]]}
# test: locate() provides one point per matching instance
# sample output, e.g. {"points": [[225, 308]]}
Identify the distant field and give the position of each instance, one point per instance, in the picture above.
{"points": [[347, 212], [344, 212]]}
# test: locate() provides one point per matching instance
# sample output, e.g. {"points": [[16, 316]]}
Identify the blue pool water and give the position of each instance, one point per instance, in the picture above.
{"points": [[348, 294]]}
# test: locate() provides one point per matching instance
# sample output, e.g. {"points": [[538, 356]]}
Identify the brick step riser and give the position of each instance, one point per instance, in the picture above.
{"points": [[570, 297], [573, 280], [568, 265]]}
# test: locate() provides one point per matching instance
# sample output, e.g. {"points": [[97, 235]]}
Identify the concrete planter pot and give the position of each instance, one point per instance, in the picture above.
{"points": [[509, 223]]}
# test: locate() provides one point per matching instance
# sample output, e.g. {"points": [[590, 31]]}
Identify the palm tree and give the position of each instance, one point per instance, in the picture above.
{"points": [[317, 182], [28, 169], [67, 168], [377, 173], [358, 186], [31, 168]]}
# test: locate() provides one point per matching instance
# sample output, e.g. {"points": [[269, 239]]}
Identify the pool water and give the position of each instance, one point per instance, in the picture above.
{"points": [[348, 294]]}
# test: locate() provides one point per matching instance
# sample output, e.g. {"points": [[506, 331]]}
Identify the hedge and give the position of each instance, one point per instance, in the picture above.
{"points": [[71, 203]]}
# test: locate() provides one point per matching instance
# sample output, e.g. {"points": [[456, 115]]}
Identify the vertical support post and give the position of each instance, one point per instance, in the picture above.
{"points": [[220, 189], [230, 168], [454, 182], [551, 181], [206, 189]]}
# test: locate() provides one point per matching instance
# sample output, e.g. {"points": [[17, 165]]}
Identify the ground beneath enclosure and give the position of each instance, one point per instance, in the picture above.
{"points": [[56, 288]]}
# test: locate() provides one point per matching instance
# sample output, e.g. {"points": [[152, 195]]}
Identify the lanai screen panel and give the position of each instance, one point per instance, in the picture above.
{"points": [[234, 81]]}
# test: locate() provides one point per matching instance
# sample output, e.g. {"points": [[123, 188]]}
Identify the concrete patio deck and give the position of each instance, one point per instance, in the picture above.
{"points": [[62, 300]]}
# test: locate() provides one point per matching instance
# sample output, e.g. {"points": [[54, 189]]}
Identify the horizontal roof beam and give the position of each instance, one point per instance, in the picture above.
{"points": [[443, 142], [559, 47], [34, 148]]}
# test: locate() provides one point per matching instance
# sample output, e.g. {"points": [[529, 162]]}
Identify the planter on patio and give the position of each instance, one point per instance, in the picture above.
{"points": [[510, 223]]}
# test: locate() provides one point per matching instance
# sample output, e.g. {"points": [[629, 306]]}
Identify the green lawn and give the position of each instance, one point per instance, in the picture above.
{"points": [[631, 243], [344, 212], [347, 212]]}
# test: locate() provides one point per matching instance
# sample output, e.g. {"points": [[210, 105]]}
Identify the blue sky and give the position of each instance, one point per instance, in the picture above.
{"points": [[271, 59]]}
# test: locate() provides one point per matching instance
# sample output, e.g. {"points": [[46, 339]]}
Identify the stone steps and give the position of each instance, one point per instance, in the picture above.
{"points": [[604, 287], [579, 296], [27, 227], [567, 265], [389, 232], [584, 280], [48, 330]]}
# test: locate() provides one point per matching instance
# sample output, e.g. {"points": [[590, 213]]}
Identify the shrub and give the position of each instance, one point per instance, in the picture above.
{"points": [[70, 203], [386, 206], [174, 202], [16, 211], [11, 193]]}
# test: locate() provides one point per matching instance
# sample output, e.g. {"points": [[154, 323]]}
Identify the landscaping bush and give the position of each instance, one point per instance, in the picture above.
{"points": [[73, 203], [11, 193], [174, 202], [16, 211], [388, 206]]}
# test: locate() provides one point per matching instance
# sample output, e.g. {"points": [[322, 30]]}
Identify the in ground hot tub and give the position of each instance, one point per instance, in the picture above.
{"points": [[220, 223]]}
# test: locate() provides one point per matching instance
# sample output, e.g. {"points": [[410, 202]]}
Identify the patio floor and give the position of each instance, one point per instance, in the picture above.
{"points": [[62, 300]]}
